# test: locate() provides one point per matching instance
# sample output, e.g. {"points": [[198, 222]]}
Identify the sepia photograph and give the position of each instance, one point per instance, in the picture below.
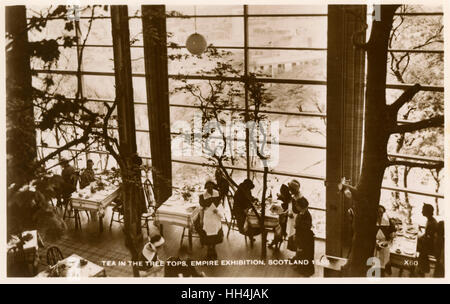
{"points": [[224, 140]]}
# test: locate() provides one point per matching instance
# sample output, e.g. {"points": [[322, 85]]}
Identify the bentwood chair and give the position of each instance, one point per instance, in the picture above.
{"points": [[232, 223], [117, 214], [54, 255], [72, 213]]}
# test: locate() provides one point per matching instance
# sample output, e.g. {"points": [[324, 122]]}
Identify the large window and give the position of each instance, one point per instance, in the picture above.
{"points": [[286, 47]]}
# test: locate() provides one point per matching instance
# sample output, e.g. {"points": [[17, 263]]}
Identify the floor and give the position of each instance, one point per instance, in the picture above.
{"points": [[109, 246]]}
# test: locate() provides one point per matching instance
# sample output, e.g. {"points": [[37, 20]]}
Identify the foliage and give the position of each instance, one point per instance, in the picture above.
{"points": [[30, 206], [416, 33]]}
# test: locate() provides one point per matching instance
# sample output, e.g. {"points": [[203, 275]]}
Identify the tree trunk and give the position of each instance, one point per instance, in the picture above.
{"points": [[376, 135], [133, 206], [19, 110], [129, 161]]}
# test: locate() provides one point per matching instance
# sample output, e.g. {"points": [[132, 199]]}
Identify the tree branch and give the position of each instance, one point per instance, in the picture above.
{"points": [[404, 98], [65, 147], [437, 121]]}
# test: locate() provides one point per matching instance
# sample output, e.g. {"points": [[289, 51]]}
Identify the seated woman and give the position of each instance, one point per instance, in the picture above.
{"points": [[88, 174], [209, 224], [243, 200]]}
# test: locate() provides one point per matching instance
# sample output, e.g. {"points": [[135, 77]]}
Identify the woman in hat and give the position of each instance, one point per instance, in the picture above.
{"points": [[243, 200], [286, 198], [294, 189], [304, 237], [210, 219]]}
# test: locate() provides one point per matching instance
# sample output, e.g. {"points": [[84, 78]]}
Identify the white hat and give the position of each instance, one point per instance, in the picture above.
{"points": [[157, 240], [149, 252], [294, 184], [209, 180], [276, 208]]}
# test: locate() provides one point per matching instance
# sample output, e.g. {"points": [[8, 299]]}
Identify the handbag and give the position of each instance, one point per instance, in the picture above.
{"points": [[291, 245]]}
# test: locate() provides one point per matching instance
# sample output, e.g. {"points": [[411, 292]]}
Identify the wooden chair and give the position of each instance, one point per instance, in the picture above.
{"points": [[117, 211], [73, 213], [54, 255], [232, 223]]}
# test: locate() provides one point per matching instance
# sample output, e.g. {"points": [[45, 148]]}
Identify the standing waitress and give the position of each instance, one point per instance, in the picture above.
{"points": [[209, 225], [304, 237], [294, 189]]}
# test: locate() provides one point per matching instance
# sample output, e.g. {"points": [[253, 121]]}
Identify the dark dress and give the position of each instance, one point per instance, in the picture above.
{"points": [[242, 202], [305, 243], [87, 177], [70, 183], [286, 198], [425, 245]]}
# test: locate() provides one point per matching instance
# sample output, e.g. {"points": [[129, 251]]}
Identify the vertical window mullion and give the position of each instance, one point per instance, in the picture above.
{"points": [[247, 140]]}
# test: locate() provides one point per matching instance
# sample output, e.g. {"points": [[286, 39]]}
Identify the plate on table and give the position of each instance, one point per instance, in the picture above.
{"points": [[409, 251]]}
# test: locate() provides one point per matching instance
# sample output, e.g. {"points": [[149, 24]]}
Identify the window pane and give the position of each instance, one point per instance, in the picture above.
{"points": [[100, 33], [141, 117], [217, 31], [296, 98], [143, 144], [67, 60], [178, 96], [137, 60], [99, 87], [54, 28], [307, 65], [288, 32], [182, 62], [298, 129], [62, 84], [295, 160], [418, 32], [408, 68], [98, 59]]}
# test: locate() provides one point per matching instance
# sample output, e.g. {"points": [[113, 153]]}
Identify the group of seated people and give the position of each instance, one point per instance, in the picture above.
{"points": [[430, 242], [295, 221], [70, 178]]}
